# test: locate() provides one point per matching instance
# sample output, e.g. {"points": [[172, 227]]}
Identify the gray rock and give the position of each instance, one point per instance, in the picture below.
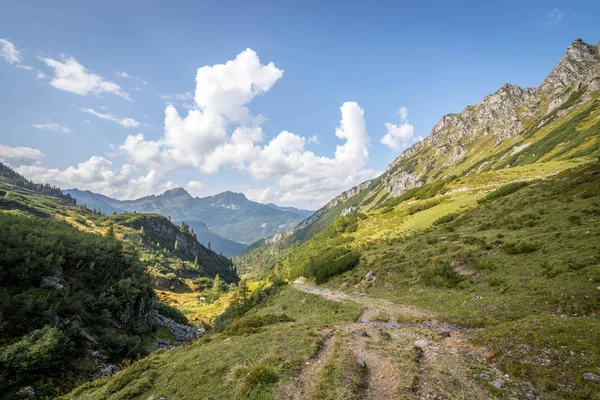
{"points": [[180, 332], [26, 392], [97, 355], [421, 343], [55, 282], [498, 383], [163, 344], [370, 276], [106, 371], [483, 375], [591, 377]]}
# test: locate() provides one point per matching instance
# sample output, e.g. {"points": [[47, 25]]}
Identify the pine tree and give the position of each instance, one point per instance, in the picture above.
{"points": [[209, 246], [244, 290], [218, 286], [196, 262], [111, 231], [142, 230], [176, 245]]}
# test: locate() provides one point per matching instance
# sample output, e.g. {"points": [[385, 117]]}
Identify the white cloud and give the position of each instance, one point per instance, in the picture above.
{"points": [[97, 174], [17, 156], [403, 113], [195, 187], [125, 122], [73, 77], [262, 195], [53, 127], [12, 55], [398, 136], [9, 52], [201, 138], [125, 75], [222, 94], [553, 16]]}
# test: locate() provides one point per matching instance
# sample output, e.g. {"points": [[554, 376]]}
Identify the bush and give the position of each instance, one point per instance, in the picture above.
{"points": [[502, 191], [441, 275], [445, 219], [248, 325], [520, 247], [170, 312], [423, 205]]}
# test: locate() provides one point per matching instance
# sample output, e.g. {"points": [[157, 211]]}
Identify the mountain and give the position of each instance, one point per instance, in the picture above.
{"points": [[512, 127], [227, 220]]}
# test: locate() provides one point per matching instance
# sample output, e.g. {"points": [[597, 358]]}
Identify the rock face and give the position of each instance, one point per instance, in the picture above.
{"points": [[182, 333], [501, 115], [319, 213]]}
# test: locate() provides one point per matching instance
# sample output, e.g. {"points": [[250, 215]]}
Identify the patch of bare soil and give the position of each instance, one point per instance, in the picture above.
{"points": [[302, 384]]}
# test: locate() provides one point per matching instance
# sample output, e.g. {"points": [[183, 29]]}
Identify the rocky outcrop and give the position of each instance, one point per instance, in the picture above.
{"points": [[398, 183], [180, 332], [313, 218], [502, 114], [55, 282], [348, 210]]}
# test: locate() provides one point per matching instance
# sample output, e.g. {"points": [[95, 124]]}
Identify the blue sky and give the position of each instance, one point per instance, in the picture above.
{"points": [[307, 127]]}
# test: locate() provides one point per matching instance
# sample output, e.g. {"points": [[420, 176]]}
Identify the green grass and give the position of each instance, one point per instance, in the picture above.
{"points": [[498, 265], [343, 377], [223, 366]]}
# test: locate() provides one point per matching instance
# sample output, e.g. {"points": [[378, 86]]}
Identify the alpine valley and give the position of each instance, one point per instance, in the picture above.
{"points": [[469, 269], [228, 221]]}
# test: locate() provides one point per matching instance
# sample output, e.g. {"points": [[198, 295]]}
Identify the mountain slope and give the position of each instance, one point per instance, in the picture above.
{"points": [[559, 120], [229, 215]]}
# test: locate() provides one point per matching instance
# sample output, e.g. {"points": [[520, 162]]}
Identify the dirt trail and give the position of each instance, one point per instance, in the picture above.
{"points": [[301, 386], [408, 353]]}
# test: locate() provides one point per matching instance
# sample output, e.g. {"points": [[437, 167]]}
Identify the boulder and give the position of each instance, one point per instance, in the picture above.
{"points": [[55, 282], [180, 332], [26, 392]]}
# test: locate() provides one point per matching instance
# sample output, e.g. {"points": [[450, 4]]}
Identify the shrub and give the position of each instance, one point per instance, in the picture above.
{"points": [[445, 219], [170, 312], [502, 191], [441, 275], [423, 205], [248, 325], [520, 247]]}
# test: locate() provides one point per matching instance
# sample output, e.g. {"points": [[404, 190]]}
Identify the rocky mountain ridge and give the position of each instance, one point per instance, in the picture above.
{"points": [[492, 134], [228, 220]]}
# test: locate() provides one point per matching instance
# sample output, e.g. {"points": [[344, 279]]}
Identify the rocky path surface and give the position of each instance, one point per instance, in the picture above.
{"points": [[408, 353]]}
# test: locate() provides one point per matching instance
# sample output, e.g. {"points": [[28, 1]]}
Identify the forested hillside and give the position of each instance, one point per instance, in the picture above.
{"points": [[77, 288]]}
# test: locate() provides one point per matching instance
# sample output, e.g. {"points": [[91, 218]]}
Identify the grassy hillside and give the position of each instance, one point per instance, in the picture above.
{"points": [[228, 365], [521, 262]]}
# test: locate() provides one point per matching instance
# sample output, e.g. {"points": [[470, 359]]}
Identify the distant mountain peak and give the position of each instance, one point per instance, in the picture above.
{"points": [[176, 192]]}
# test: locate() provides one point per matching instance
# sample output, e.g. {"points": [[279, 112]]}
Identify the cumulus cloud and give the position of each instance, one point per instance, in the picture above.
{"points": [[53, 127], [398, 136], [17, 156], [221, 97], [73, 77], [553, 16], [195, 187], [99, 175], [313, 139], [262, 195], [220, 132], [125, 122]]}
